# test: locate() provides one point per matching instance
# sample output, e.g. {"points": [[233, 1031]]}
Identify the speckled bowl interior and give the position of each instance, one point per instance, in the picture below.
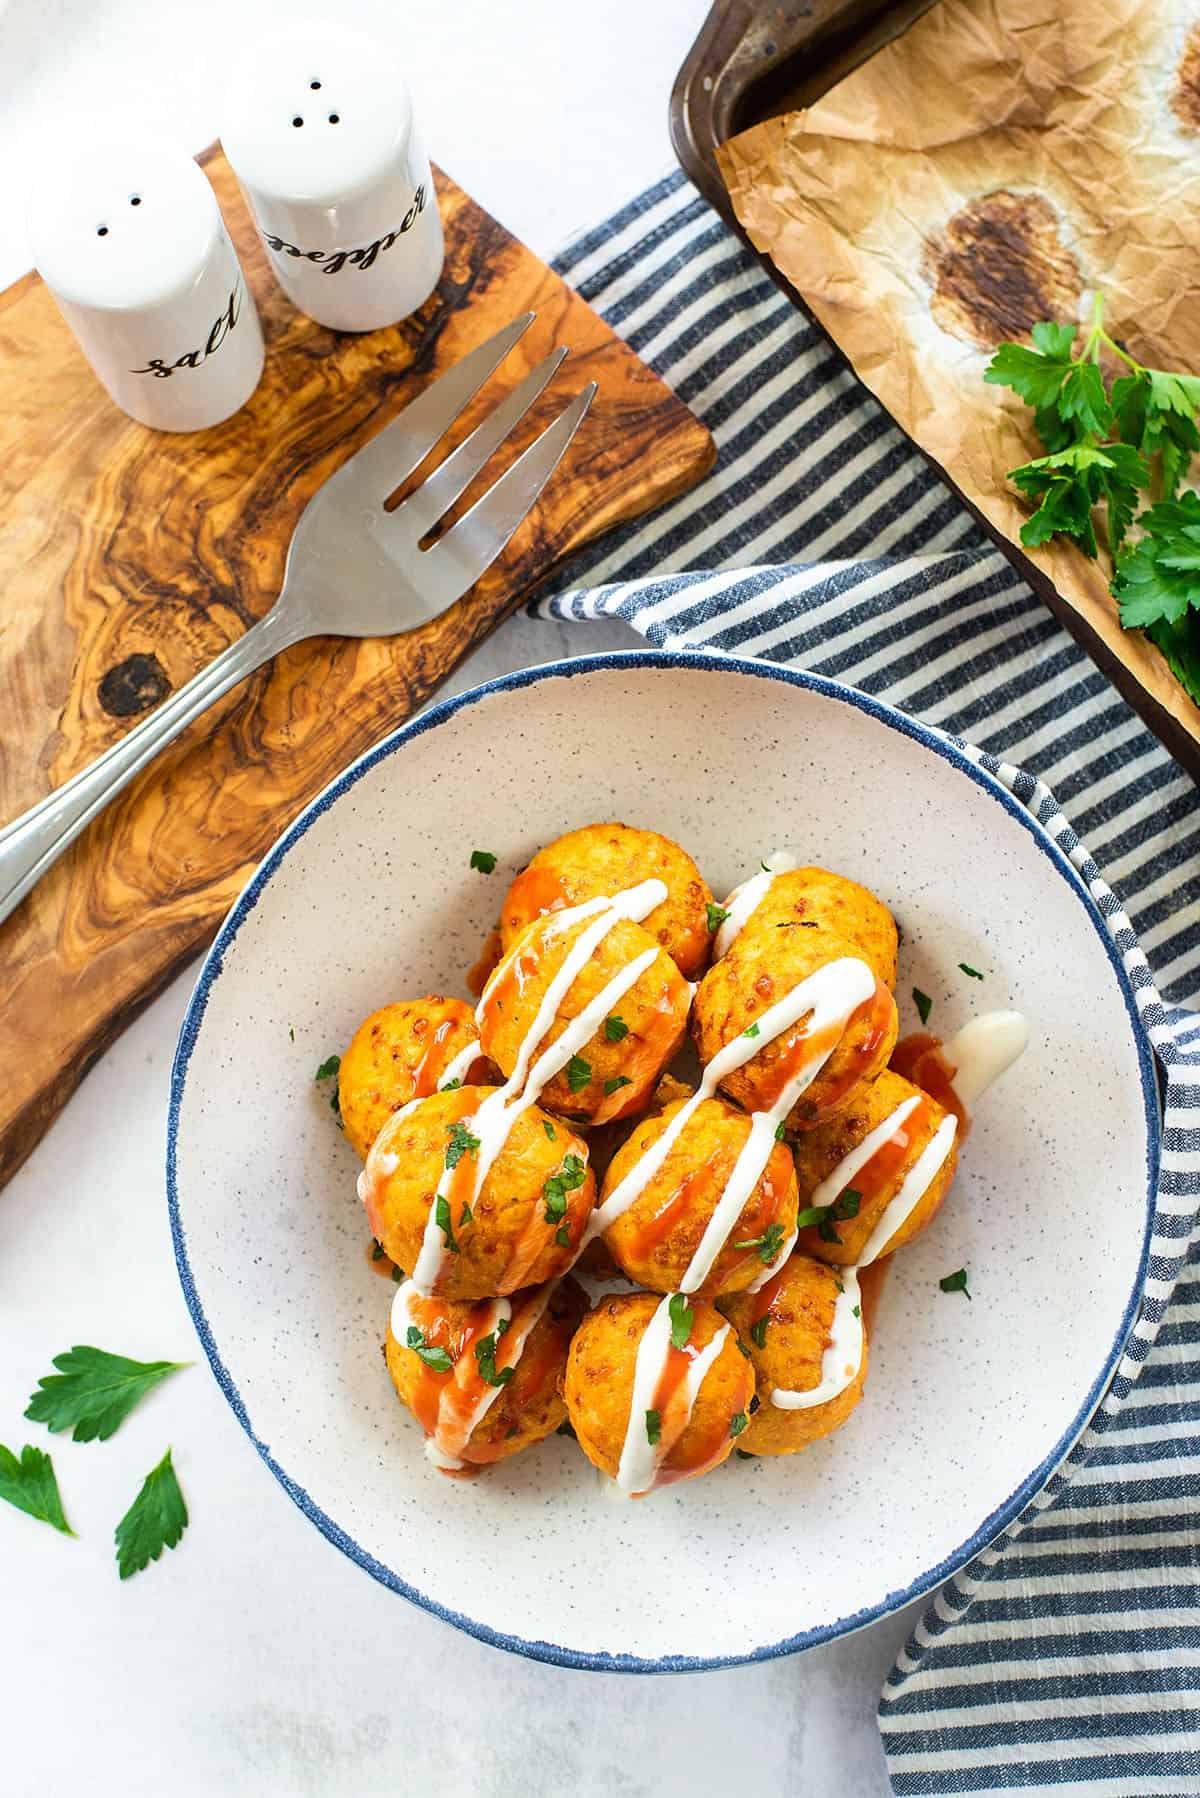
{"points": [[969, 1404]]}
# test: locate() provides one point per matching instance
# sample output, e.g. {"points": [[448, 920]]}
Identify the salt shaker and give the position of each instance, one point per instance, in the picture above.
{"points": [[319, 129], [129, 238]]}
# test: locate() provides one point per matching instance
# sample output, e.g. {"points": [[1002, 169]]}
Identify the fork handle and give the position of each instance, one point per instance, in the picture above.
{"points": [[33, 842]]}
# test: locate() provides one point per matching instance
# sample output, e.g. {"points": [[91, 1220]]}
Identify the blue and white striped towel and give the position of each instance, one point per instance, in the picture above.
{"points": [[1067, 1657]]}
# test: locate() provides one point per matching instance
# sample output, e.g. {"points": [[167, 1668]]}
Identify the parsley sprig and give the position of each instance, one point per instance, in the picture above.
{"points": [[768, 1244], [825, 1217], [1107, 445]]}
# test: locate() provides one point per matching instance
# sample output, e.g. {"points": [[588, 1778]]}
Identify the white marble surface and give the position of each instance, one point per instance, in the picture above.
{"points": [[255, 1660]]}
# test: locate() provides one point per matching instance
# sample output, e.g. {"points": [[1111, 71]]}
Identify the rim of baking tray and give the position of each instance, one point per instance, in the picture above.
{"points": [[704, 662]]}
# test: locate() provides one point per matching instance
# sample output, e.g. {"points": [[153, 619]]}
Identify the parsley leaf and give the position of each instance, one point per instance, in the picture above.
{"points": [[616, 1083], [956, 1282], [751, 1030], [682, 1318], [484, 860], [579, 1072], [616, 1029], [93, 1392], [823, 1217], [717, 915], [461, 1143], [328, 1068], [972, 973], [1037, 374], [434, 1357], [570, 1176], [485, 1355], [31, 1486], [548, 1127], [653, 1427], [923, 1003], [781, 1131], [768, 1244], [1158, 579], [441, 1216], [758, 1330], [155, 1520], [1071, 481], [737, 1423]]}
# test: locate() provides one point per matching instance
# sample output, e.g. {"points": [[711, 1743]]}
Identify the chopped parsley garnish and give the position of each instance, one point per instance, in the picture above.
{"points": [[155, 1520], [377, 1250], [616, 1083], [548, 1127], [780, 1131], [441, 1217], [737, 1423], [823, 1217], [758, 1330], [30, 1485], [485, 1354], [768, 1244], [653, 1427], [93, 1392], [742, 1349], [971, 973], [616, 1029], [292, 1032], [562, 1236], [328, 1068], [397, 1275], [956, 1282], [461, 1143], [743, 1454], [484, 860], [751, 1031], [717, 915], [434, 1357], [682, 1318], [923, 1003], [570, 1175], [450, 1086], [858, 1310], [579, 1072], [464, 1216]]}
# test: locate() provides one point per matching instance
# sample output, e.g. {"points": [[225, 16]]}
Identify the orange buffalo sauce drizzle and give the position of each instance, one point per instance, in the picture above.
{"points": [[535, 891], [444, 1404], [488, 959], [508, 986], [919, 1058], [653, 1229], [801, 1046], [670, 1401], [879, 1177], [437, 1059]]}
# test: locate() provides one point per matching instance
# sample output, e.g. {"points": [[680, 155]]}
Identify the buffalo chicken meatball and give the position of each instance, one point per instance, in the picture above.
{"points": [[829, 907], [604, 859], [657, 1390], [402, 1052], [788, 1330], [672, 1226], [892, 1144], [763, 968], [482, 1379], [619, 1062], [466, 1239]]}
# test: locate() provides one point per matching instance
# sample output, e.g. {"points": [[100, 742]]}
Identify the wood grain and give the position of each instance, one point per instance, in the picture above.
{"points": [[129, 558]]}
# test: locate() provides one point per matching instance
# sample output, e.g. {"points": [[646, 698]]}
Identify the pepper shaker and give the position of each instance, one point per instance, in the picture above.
{"points": [[129, 238], [319, 129]]}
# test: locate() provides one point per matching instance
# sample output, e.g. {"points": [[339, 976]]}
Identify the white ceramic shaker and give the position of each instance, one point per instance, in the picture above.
{"points": [[319, 130], [128, 236]]}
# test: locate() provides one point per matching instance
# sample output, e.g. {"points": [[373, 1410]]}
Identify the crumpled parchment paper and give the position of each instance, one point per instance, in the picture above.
{"points": [[996, 165]]}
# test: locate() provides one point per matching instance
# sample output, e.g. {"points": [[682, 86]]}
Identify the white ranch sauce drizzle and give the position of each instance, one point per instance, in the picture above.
{"points": [[493, 1121], [639, 1457], [447, 1453], [460, 1067], [831, 995], [982, 1051], [746, 899], [843, 1355]]}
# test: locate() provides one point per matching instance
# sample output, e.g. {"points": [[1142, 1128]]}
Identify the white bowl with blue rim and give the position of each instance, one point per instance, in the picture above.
{"points": [[970, 1403]]}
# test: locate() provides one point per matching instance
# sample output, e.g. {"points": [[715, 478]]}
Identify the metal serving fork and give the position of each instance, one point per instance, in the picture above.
{"points": [[353, 570]]}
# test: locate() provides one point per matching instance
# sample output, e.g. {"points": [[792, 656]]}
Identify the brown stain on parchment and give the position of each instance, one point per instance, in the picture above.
{"points": [[998, 266], [1185, 101]]}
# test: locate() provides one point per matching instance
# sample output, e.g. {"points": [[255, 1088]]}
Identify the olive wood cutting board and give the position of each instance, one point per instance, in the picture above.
{"points": [[129, 558]]}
